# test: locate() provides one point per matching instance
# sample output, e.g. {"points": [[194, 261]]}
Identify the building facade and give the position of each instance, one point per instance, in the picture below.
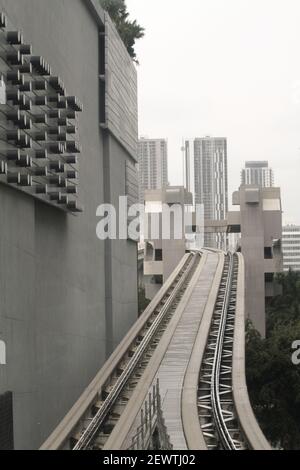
{"points": [[257, 227], [291, 247], [259, 222], [163, 251], [258, 173], [66, 298], [153, 165], [211, 183]]}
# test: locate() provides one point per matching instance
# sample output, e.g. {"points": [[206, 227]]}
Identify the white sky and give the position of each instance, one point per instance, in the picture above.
{"points": [[226, 68]]}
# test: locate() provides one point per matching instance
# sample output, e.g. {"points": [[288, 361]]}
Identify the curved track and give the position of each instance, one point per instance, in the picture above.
{"points": [[93, 427], [191, 337], [223, 419], [217, 416]]}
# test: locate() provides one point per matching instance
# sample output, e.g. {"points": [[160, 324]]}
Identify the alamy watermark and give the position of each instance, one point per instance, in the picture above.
{"points": [[155, 221], [296, 354], [2, 353]]}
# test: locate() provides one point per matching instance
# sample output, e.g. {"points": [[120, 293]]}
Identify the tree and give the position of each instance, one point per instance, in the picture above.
{"points": [[273, 380], [129, 30], [286, 307]]}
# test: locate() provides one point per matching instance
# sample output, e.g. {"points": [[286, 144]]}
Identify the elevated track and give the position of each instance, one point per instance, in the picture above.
{"points": [[190, 339]]}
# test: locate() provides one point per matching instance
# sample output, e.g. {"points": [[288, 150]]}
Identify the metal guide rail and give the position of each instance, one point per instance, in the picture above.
{"points": [[115, 397], [106, 413], [94, 425], [217, 414], [152, 433]]}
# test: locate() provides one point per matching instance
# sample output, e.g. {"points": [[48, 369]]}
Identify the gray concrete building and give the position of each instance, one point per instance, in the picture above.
{"points": [[209, 155], [66, 298], [153, 165], [261, 236], [258, 173], [258, 221], [291, 247], [163, 253]]}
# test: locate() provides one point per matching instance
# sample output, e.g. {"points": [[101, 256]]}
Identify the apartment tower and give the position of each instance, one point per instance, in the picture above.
{"points": [[153, 165], [291, 247], [258, 173], [211, 182]]}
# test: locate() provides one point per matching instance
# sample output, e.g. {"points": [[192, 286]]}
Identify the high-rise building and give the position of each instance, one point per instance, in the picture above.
{"points": [[258, 173], [291, 247], [210, 181], [153, 165]]}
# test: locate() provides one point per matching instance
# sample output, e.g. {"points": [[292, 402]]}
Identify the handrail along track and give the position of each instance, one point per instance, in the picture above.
{"points": [[89, 434], [92, 429], [221, 415]]}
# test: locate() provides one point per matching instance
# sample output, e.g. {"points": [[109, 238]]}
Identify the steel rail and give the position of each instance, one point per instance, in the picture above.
{"points": [[218, 417], [224, 434], [65, 435], [90, 433]]}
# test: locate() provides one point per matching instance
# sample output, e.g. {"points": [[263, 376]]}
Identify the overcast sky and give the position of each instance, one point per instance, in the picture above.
{"points": [[226, 68]]}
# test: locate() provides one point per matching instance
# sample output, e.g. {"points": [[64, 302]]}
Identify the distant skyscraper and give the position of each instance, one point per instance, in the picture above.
{"points": [[258, 173], [291, 247], [153, 165], [210, 181]]}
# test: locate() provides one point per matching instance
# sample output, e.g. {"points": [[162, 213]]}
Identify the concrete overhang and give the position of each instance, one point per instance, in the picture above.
{"points": [[169, 195], [231, 225], [234, 222], [178, 195], [252, 195], [215, 226]]}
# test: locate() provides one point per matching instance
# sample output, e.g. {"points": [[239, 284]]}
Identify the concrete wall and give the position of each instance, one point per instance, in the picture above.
{"points": [[261, 228], [121, 255], [121, 91], [172, 249], [61, 309]]}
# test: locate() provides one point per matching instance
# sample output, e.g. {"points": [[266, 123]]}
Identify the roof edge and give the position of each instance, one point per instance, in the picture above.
{"points": [[96, 10]]}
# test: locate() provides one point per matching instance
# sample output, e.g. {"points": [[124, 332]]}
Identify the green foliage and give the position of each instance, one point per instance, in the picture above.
{"points": [[273, 380], [285, 308], [129, 31]]}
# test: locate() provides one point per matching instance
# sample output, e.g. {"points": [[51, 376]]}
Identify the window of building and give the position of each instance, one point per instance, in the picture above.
{"points": [[158, 279], [158, 255], [268, 252], [269, 277]]}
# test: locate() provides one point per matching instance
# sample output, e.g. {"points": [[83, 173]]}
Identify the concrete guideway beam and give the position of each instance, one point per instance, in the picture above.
{"points": [[193, 433], [173, 368], [121, 435], [64, 430], [247, 420]]}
